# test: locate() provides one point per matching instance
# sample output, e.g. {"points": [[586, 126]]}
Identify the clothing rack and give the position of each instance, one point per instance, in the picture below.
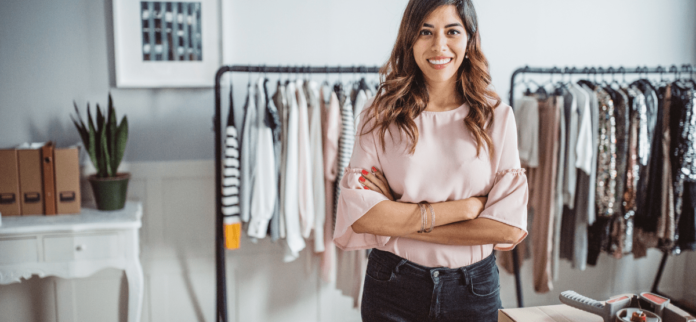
{"points": [[589, 71], [220, 279]]}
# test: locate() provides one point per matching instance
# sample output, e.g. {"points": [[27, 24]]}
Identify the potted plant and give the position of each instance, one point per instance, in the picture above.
{"points": [[105, 144]]}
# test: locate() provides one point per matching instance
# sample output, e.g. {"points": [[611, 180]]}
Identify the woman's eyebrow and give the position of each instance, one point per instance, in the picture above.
{"points": [[456, 24]]}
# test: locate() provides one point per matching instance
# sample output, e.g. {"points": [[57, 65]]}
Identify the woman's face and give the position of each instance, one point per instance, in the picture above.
{"points": [[441, 44]]}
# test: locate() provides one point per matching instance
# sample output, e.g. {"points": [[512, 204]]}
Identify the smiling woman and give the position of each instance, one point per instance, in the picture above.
{"points": [[437, 195]]}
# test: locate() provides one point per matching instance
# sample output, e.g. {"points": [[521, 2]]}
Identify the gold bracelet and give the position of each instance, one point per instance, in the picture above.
{"points": [[423, 217], [432, 218]]}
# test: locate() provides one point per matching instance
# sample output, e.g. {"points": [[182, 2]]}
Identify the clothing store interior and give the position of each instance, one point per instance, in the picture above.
{"points": [[183, 161]]}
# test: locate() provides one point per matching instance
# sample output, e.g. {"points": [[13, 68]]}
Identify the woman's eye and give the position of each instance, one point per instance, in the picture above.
{"points": [[425, 32], [453, 32]]}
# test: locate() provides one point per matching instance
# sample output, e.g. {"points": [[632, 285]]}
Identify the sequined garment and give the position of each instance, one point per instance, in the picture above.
{"points": [[606, 162], [683, 126]]}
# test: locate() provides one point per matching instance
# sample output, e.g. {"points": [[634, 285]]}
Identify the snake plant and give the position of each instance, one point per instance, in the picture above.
{"points": [[105, 142]]}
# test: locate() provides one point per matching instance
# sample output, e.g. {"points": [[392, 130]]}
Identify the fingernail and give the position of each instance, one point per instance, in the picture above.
{"points": [[366, 188], [362, 179], [365, 172], [374, 169]]}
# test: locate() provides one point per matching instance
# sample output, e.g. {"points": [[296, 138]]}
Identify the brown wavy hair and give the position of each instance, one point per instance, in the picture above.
{"points": [[402, 94]]}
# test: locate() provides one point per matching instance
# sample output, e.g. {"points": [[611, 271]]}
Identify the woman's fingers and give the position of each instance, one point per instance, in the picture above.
{"points": [[380, 175], [382, 185], [368, 184]]}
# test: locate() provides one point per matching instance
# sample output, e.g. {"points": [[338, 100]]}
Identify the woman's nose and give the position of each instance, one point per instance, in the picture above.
{"points": [[439, 43]]}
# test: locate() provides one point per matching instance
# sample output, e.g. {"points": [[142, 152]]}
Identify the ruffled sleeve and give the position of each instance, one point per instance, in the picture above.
{"points": [[507, 199], [354, 201]]}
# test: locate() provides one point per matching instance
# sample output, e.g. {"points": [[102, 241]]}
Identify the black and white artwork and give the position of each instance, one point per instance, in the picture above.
{"points": [[171, 31]]}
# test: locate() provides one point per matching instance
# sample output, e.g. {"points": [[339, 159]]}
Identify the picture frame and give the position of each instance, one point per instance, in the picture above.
{"points": [[185, 53]]}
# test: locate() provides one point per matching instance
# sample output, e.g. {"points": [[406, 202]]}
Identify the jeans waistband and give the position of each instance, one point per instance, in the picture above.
{"points": [[401, 265]]}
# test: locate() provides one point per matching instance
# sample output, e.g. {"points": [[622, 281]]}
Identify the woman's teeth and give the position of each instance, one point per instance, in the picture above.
{"points": [[440, 61]]}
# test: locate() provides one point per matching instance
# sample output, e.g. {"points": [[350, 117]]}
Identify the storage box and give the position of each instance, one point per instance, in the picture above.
{"points": [[567, 313], [67, 175], [9, 183], [30, 179], [549, 313]]}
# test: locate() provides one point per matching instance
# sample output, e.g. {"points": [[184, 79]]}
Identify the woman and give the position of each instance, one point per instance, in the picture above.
{"points": [[435, 133]]}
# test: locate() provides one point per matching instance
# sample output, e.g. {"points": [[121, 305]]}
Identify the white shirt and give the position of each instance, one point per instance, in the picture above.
{"points": [[291, 208], [266, 186]]}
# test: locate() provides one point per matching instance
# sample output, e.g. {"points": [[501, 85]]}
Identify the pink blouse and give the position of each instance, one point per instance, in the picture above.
{"points": [[444, 167]]}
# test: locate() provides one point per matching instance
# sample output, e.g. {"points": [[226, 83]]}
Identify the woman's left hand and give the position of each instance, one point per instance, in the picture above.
{"points": [[376, 181]]}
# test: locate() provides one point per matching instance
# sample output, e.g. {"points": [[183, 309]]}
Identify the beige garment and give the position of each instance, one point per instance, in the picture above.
{"points": [[665, 224], [542, 183]]}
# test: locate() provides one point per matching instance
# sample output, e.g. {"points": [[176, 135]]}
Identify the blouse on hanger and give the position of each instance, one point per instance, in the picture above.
{"points": [[444, 167]]}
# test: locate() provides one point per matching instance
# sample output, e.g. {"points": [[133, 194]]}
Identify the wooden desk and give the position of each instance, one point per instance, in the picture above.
{"points": [[75, 246]]}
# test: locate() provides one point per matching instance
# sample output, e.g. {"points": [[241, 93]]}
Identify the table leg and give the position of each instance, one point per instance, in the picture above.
{"points": [[134, 274]]}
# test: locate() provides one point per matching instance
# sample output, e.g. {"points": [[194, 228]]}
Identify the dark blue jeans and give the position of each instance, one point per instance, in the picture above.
{"points": [[399, 290]]}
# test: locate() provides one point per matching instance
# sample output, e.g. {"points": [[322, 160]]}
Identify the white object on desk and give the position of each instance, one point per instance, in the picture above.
{"points": [[75, 246]]}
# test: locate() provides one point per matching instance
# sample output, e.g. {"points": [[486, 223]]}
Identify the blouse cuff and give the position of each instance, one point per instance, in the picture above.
{"points": [[354, 202], [507, 202]]}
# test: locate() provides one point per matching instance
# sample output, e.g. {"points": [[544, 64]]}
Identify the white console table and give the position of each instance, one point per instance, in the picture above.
{"points": [[74, 246]]}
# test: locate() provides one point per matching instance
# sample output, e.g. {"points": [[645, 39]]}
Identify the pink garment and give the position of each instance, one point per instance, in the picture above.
{"points": [[444, 167], [331, 131]]}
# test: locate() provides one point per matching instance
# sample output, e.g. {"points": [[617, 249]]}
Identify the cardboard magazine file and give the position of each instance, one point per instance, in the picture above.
{"points": [[9, 183], [67, 175], [30, 179]]}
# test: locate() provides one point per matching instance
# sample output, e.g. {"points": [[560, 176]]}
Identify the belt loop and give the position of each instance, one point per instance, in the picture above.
{"points": [[465, 276], [396, 269]]}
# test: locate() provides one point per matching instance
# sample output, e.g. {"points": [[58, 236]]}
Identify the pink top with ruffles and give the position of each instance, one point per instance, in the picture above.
{"points": [[444, 167]]}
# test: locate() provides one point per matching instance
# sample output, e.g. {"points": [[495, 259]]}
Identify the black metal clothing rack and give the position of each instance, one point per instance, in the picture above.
{"points": [[220, 279], [589, 71]]}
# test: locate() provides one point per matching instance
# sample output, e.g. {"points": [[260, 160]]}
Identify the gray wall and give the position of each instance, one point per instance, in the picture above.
{"points": [[54, 52]]}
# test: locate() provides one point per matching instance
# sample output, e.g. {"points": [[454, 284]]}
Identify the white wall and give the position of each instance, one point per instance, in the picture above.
{"points": [[52, 52]]}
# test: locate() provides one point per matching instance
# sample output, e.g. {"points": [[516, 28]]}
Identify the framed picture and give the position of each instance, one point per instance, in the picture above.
{"points": [[166, 43]]}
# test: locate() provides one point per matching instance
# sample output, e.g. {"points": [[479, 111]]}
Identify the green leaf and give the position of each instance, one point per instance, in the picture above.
{"points": [[81, 130], [92, 148], [100, 120], [120, 143], [106, 158], [111, 134]]}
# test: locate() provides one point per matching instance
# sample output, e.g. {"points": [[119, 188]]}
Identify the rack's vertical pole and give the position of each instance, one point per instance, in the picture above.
{"points": [[220, 280], [515, 255], [658, 276]]}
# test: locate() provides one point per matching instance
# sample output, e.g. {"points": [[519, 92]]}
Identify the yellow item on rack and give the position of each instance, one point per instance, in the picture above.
{"points": [[233, 234]]}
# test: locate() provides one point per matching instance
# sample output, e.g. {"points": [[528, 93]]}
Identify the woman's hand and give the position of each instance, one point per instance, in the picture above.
{"points": [[376, 181]]}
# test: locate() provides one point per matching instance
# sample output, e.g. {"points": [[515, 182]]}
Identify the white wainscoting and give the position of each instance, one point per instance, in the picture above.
{"points": [[177, 257]]}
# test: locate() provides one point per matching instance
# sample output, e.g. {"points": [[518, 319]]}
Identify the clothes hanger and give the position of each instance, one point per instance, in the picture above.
{"points": [[586, 82], [688, 68]]}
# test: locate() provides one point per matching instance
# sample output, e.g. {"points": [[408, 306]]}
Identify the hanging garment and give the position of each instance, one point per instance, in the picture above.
{"points": [[605, 191], [230, 183], [360, 100], [606, 163], [282, 104], [433, 173], [563, 176], [304, 179], [248, 157], [274, 122], [345, 146], [527, 118], [568, 221], [317, 152], [659, 207], [295, 242], [264, 195], [543, 180], [331, 134], [585, 194]]}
